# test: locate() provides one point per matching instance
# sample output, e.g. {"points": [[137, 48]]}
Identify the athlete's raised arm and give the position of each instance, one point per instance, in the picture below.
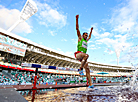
{"points": [[77, 28], [90, 34]]}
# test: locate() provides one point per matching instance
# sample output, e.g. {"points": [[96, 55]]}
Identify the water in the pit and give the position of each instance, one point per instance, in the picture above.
{"points": [[120, 93], [102, 94]]}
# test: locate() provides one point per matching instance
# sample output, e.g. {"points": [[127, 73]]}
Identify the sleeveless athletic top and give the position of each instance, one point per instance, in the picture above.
{"points": [[82, 46]]}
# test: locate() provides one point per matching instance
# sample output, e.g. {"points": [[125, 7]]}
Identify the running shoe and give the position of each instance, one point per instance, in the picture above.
{"points": [[91, 86], [81, 72]]}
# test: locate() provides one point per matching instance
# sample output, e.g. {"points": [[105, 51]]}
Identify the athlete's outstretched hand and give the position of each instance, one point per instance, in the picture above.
{"points": [[77, 16], [91, 28]]}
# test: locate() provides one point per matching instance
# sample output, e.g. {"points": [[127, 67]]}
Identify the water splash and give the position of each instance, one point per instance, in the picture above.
{"points": [[103, 94], [133, 82]]}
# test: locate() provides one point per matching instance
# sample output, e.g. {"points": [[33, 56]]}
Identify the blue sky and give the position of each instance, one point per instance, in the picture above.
{"points": [[115, 25]]}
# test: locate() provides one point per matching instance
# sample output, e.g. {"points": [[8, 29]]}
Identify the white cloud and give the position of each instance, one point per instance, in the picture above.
{"points": [[118, 36], [53, 33], [98, 43], [41, 43], [106, 41], [123, 23], [95, 31], [90, 42], [103, 29], [125, 18], [63, 39], [58, 49], [93, 48], [9, 17], [105, 34], [130, 57], [67, 53], [109, 51], [116, 44], [127, 25], [92, 45], [124, 27], [49, 16], [75, 41], [112, 52]]}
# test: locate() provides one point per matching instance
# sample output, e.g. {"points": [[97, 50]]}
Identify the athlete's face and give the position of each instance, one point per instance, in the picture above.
{"points": [[85, 35]]}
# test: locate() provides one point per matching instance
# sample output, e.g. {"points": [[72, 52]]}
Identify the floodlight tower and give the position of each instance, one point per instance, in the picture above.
{"points": [[28, 10], [117, 51]]}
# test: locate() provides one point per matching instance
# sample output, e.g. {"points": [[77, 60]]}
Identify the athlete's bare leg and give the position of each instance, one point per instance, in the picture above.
{"points": [[88, 73], [83, 57], [84, 63]]}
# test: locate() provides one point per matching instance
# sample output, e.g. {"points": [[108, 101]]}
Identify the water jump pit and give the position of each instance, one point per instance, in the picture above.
{"points": [[84, 94]]}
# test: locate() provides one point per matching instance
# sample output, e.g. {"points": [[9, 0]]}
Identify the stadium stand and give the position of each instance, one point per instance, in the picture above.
{"points": [[16, 67]]}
